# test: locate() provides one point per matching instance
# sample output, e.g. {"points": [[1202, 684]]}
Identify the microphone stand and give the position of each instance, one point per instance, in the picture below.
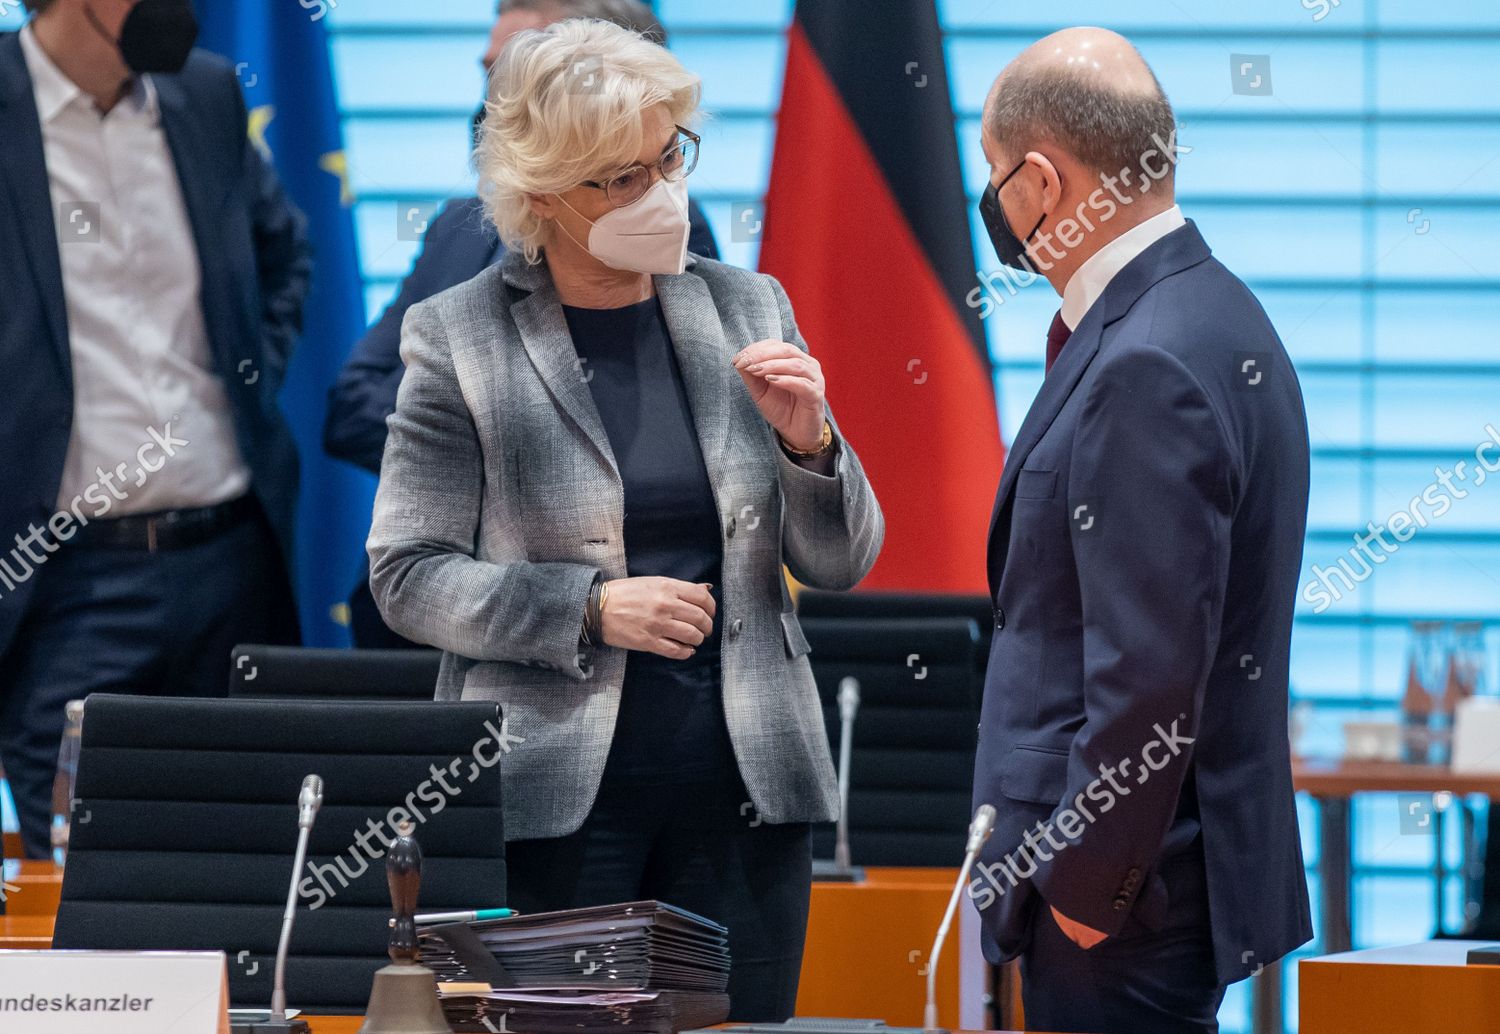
{"points": [[979, 831], [308, 802], [841, 870]]}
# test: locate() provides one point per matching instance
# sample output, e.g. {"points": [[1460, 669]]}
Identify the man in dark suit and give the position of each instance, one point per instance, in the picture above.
{"points": [[1143, 558], [156, 292], [457, 246]]}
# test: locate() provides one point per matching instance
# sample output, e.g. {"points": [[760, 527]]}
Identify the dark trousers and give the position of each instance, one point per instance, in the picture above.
{"points": [[128, 621], [1142, 982], [701, 848]]}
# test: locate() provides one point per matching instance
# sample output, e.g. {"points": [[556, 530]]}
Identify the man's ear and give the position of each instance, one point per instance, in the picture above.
{"points": [[1051, 180]]}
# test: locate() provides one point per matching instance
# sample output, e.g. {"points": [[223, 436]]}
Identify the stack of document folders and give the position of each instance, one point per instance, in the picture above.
{"points": [[640, 966]]}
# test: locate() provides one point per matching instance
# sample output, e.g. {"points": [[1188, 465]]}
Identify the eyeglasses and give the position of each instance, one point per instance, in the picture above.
{"points": [[676, 162]]}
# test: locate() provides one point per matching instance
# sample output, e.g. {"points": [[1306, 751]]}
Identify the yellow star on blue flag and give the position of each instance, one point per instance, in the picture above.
{"points": [[259, 119], [336, 164], [286, 72]]}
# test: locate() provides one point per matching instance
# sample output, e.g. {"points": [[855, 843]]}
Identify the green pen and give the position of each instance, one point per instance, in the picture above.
{"points": [[466, 917]]}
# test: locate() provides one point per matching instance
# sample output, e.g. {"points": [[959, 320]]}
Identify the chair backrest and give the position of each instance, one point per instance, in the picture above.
{"points": [[185, 825], [819, 603], [295, 671], [912, 767]]}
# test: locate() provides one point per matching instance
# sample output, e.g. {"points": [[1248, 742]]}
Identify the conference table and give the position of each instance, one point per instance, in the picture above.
{"points": [[894, 911], [350, 1025], [1415, 988], [33, 890], [1334, 783], [25, 933], [868, 944], [866, 955]]}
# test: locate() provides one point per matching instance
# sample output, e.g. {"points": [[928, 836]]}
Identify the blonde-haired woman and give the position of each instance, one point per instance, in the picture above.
{"points": [[602, 455]]}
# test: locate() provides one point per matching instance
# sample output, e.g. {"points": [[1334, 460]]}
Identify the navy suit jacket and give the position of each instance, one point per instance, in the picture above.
{"points": [[456, 247], [255, 263], [1143, 560]]}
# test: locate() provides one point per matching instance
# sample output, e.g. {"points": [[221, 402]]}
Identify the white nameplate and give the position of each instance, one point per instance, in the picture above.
{"points": [[119, 992]]}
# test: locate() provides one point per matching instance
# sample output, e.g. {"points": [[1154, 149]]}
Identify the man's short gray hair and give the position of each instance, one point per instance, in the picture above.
{"points": [[627, 14], [1104, 127]]}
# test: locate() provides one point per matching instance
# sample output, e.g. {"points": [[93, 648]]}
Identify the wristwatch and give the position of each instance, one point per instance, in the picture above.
{"points": [[823, 449]]}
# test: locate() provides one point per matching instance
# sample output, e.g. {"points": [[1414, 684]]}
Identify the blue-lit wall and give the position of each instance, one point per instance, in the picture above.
{"points": [[1360, 198]]}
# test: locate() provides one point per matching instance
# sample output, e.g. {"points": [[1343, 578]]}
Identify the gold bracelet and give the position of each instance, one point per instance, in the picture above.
{"points": [[823, 449], [593, 614]]}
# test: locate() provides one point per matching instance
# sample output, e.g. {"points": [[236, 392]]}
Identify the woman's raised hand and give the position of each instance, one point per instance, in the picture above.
{"points": [[787, 387]]}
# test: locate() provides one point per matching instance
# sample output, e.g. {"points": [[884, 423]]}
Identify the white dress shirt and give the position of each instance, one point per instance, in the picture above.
{"points": [[131, 282], [1088, 283]]}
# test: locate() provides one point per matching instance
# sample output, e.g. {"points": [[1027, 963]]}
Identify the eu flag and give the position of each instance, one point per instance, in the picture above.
{"points": [[280, 51]]}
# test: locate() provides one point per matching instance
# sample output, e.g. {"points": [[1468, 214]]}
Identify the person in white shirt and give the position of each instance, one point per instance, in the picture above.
{"points": [[158, 280], [1143, 563]]}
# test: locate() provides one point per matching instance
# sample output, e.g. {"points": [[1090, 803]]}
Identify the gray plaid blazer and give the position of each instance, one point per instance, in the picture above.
{"points": [[500, 500]]}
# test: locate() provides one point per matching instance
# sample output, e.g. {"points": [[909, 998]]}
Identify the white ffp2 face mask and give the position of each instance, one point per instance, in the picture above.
{"points": [[650, 236]]}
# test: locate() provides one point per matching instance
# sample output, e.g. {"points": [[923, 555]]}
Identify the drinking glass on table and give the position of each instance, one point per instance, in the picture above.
{"points": [[65, 784], [1467, 670], [1426, 673]]}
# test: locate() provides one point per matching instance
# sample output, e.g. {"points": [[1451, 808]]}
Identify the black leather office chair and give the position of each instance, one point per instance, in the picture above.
{"points": [[818, 603], [295, 671], [912, 770], [185, 825]]}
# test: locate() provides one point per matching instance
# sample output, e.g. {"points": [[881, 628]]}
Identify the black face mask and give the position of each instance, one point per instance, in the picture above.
{"points": [[157, 35], [1010, 249]]}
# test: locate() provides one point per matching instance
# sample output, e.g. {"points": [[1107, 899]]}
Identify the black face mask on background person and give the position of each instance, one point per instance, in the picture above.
{"points": [[156, 36], [1010, 249]]}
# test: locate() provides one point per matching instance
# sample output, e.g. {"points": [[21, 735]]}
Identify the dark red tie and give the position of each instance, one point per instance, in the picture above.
{"points": [[1057, 337]]}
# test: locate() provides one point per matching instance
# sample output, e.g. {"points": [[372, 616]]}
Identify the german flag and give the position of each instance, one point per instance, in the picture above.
{"points": [[868, 229]]}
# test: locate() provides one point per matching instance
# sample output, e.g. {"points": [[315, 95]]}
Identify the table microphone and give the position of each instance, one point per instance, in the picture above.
{"points": [[308, 802], [979, 831], [848, 708]]}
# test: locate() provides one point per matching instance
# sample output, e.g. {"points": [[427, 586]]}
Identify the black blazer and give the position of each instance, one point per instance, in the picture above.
{"points": [[255, 263], [1143, 559]]}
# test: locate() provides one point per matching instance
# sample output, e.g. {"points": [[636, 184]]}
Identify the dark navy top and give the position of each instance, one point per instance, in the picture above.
{"points": [[671, 723]]}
